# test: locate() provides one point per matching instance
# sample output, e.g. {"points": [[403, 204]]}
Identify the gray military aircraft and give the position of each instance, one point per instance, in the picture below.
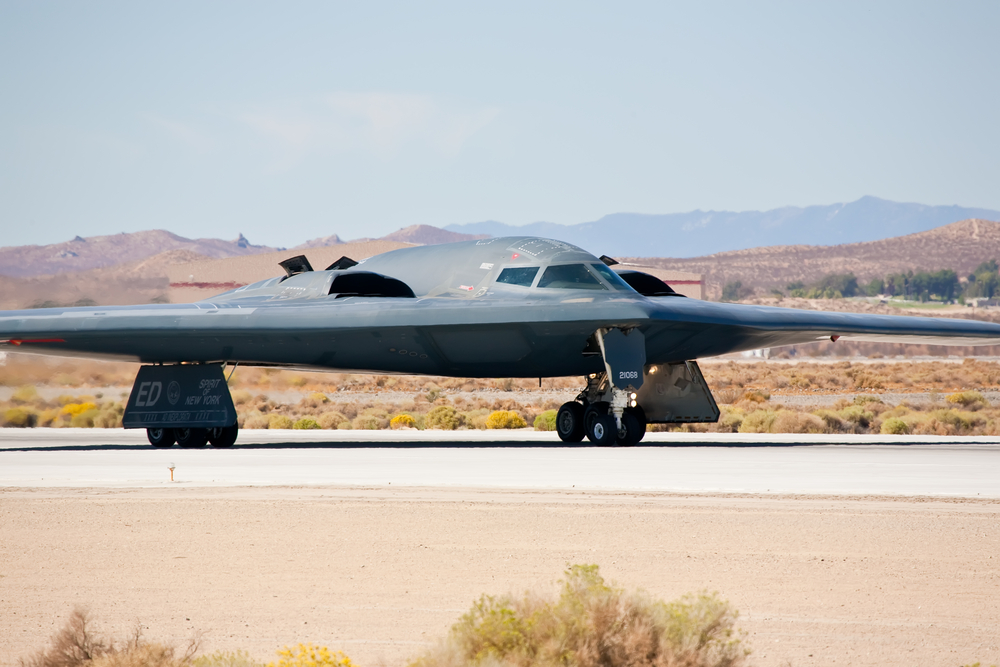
{"points": [[498, 307]]}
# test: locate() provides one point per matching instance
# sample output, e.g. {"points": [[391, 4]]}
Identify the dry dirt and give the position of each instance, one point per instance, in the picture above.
{"points": [[379, 573]]}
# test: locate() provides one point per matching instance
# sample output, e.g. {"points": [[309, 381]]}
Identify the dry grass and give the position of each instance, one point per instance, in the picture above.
{"points": [[355, 401]]}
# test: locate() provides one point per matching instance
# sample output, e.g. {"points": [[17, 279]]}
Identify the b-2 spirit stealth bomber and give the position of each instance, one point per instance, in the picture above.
{"points": [[497, 307]]}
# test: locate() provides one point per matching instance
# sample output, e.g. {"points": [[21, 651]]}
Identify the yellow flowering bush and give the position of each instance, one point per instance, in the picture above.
{"points": [[505, 419], [74, 409], [310, 655], [403, 421]]}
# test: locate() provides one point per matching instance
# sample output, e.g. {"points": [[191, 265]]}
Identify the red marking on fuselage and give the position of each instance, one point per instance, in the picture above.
{"points": [[21, 341]]}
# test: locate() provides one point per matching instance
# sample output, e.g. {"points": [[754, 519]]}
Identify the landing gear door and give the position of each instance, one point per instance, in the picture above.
{"points": [[179, 396], [625, 356], [677, 394]]}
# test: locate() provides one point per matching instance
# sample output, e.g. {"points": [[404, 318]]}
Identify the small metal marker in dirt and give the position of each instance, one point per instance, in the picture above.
{"points": [[171, 472]]}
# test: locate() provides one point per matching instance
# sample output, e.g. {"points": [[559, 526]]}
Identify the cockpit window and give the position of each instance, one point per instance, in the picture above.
{"points": [[612, 277], [518, 275], [570, 276]]}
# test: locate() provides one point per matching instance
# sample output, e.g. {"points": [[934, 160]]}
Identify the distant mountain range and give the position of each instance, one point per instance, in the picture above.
{"points": [[701, 233], [677, 236], [960, 246]]}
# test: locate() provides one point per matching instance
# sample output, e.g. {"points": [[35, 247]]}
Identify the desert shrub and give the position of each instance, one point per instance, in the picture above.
{"points": [[758, 421], [505, 419], [279, 421], [78, 645], [141, 654], [333, 420], [306, 423], [967, 399], [443, 417], [868, 381], [546, 421], [20, 418], [894, 426], [475, 418], [109, 417], [310, 655], [834, 422], [24, 394], [592, 624], [85, 419], [369, 422], [256, 420], [75, 644], [788, 421], [297, 381], [226, 659], [726, 396], [755, 396], [241, 396], [856, 414], [403, 421], [730, 419], [48, 417], [314, 400]]}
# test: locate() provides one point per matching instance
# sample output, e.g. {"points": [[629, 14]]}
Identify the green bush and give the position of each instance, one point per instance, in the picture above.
{"points": [[279, 421], [24, 394], [306, 423], [443, 417], [592, 624], [20, 418], [894, 426], [758, 421], [546, 421]]}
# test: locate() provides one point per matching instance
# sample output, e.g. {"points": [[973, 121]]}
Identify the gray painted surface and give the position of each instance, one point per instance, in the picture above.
{"points": [[517, 460]]}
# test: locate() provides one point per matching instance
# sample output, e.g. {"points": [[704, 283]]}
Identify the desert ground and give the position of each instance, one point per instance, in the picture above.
{"points": [[381, 573]]}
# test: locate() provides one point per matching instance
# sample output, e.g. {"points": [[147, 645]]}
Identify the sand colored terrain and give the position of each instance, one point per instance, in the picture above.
{"points": [[960, 246], [380, 573]]}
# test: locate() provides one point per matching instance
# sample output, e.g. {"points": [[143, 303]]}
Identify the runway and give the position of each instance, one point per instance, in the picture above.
{"points": [[666, 462]]}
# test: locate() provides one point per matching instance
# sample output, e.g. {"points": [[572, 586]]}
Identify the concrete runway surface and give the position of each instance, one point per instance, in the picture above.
{"points": [[666, 462]]}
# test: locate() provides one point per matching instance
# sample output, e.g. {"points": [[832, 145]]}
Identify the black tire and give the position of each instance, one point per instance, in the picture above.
{"points": [[569, 422], [161, 437], [190, 438], [592, 412], [633, 428], [603, 430], [223, 436]]}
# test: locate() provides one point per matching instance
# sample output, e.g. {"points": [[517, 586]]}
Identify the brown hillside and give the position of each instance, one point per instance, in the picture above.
{"points": [[82, 254], [960, 246], [427, 235], [167, 277]]}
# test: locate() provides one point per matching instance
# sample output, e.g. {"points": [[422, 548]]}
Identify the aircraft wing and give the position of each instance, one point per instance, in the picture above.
{"points": [[691, 329]]}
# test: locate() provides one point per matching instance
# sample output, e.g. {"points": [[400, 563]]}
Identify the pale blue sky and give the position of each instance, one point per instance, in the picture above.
{"points": [[287, 121]]}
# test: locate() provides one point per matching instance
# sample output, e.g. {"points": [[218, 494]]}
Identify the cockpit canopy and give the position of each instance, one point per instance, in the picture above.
{"points": [[475, 268]]}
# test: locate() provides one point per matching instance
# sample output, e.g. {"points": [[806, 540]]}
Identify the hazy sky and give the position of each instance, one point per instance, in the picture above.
{"points": [[292, 120]]}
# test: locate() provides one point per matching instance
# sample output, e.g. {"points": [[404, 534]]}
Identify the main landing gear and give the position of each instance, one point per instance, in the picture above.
{"points": [[593, 415], [191, 438]]}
